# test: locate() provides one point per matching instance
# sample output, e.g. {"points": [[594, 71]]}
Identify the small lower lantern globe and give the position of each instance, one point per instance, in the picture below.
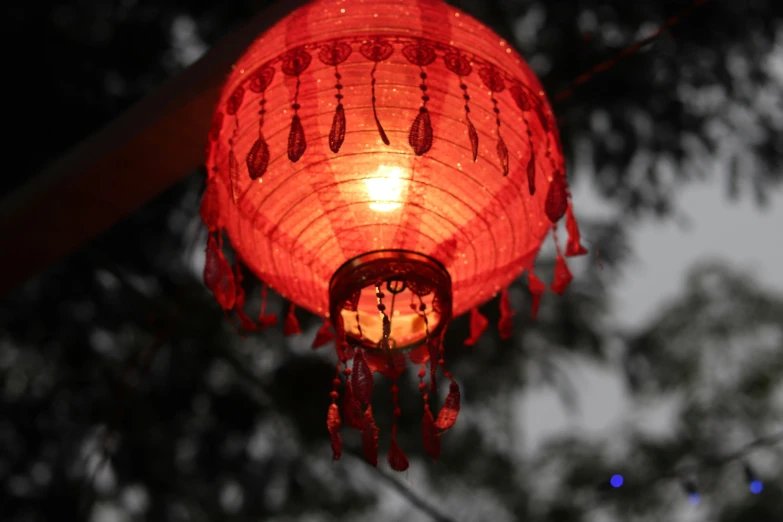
{"points": [[385, 165]]}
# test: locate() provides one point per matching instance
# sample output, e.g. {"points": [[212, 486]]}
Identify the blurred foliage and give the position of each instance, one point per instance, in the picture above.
{"points": [[225, 428]]}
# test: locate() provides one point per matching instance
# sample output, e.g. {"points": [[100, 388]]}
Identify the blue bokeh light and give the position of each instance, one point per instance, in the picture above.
{"points": [[617, 481], [694, 498], [756, 487]]}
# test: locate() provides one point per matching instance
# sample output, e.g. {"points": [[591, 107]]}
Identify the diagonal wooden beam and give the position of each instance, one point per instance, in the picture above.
{"points": [[136, 157]]}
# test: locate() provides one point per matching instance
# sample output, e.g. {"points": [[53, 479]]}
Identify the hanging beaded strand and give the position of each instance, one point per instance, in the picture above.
{"points": [[494, 82], [334, 55], [377, 51], [333, 420], [258, 158], [296, 62], [397, 459], [420, 135], [232, 107], [522, 100], [460, 65]]}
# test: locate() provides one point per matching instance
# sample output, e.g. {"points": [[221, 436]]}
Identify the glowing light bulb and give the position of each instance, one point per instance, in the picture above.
{"points": [[385, 188]]}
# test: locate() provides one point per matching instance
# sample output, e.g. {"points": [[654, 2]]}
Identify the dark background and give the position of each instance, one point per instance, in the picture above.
{"points": [[213, 427]]}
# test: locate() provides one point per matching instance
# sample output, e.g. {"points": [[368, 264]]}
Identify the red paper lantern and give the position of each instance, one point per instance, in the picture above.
{"points": [[386, 165]]}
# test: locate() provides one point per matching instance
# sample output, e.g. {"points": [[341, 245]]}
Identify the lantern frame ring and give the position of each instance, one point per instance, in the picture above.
{"points": [[422, 275]]}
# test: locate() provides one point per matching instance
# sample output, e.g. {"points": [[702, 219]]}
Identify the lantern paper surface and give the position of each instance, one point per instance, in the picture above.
{"points": [[358, 127]]}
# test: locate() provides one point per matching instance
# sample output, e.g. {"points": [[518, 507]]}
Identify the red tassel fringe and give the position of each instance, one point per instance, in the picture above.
{"points": [[447, 415], [478, 324], [505, 323], [573, 247], [398, 461], [265, 320], [291, 325], [218, 276], [563, 276], [361, 380], [324, 335], [537, 289]]}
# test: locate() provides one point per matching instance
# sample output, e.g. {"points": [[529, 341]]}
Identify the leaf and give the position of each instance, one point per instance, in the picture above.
{"points": [[398, 461], [556, 198], [430, 435], [361, 379], [502, 155], [333, 424], [474, 139], [351, 409], [296, 139], [531, 174], [420, 135], [337, 133], [370, 438], [447, 415], [258, 158]]}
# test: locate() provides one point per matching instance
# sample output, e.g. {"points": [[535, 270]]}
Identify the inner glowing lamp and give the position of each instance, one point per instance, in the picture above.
{"points": [[385, 188]]}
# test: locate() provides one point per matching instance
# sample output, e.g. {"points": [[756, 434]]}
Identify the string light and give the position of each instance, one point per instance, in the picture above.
{"points": [[754, 484], [686, 477], [694, 497]]}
